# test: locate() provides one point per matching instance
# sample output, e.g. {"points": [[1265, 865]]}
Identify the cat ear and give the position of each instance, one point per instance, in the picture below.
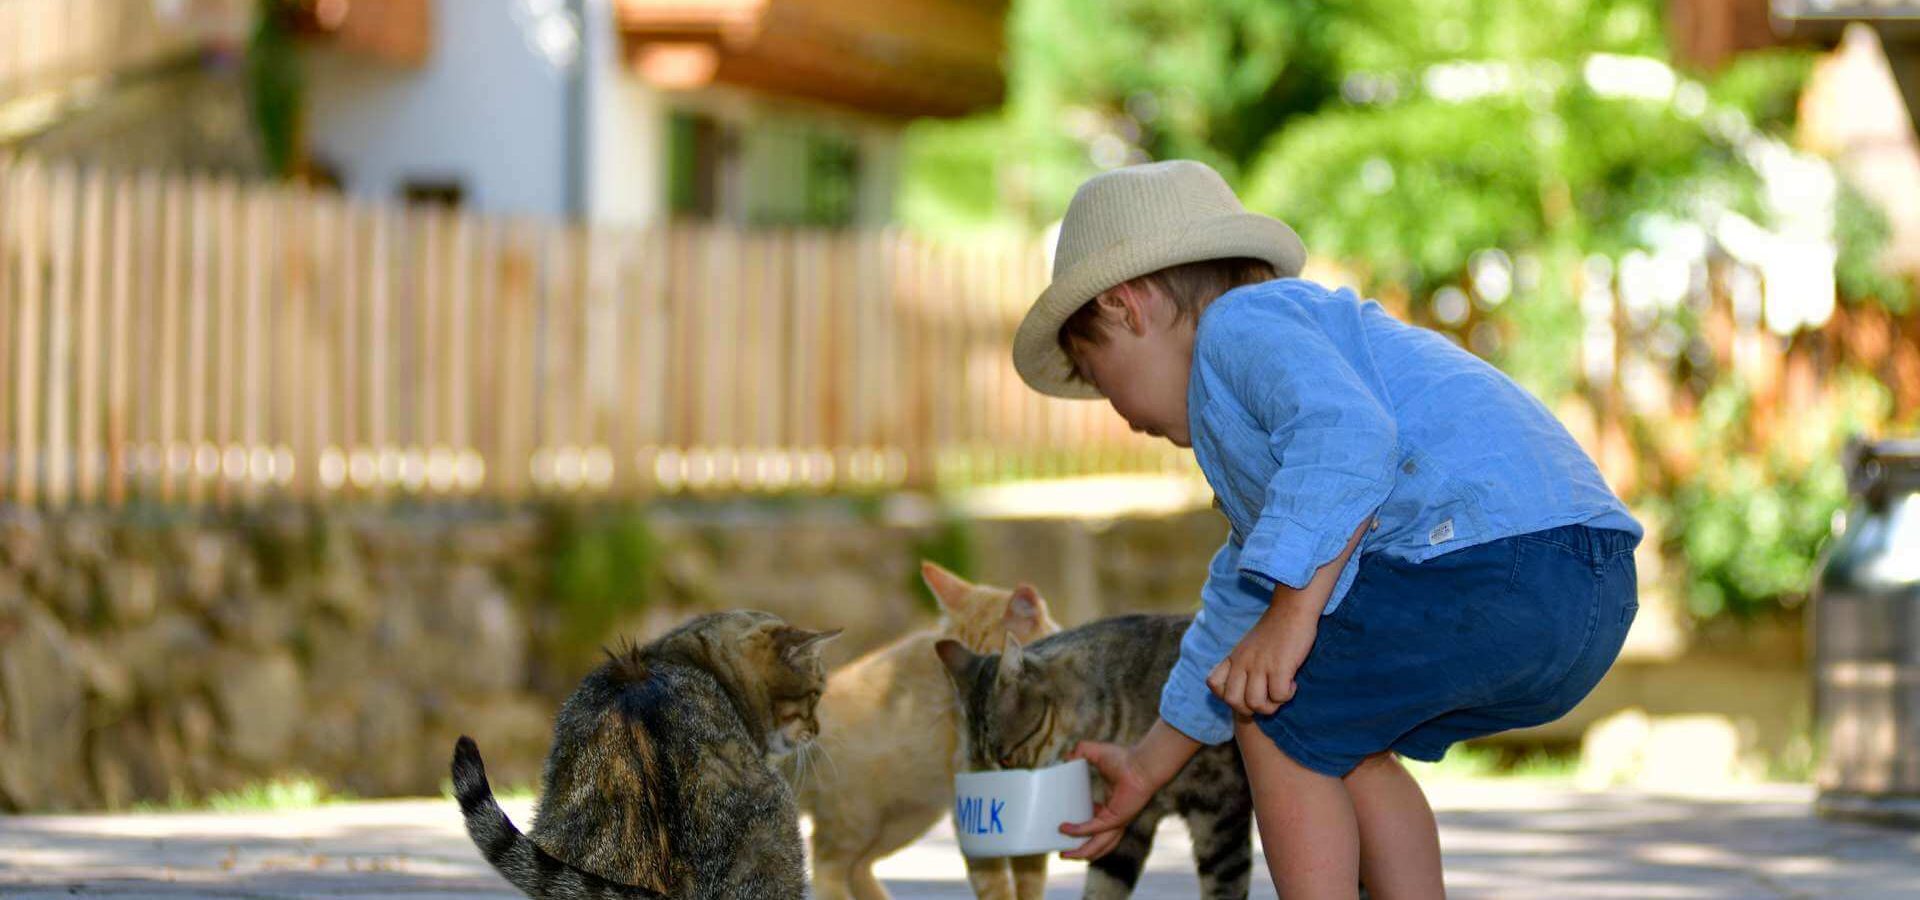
{"points": [[955, 656], [1011, 660], [819, 637], [795, 641], [947, 587], [1025, 609]]}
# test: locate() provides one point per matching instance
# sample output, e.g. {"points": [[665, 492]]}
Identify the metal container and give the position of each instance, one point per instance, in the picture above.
{"points": [[1866, 642]]}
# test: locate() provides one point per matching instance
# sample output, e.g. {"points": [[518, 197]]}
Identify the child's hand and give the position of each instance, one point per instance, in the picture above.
{"points": [[1257, 677], [1133, 774], [1129, 788]]}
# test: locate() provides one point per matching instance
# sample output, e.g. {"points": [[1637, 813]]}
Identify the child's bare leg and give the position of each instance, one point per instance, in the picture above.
{"points": [[1307, 824], [1399, 842]]}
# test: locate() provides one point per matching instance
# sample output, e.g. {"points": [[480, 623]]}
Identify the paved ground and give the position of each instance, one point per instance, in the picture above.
{"points": [[1501, 838]]}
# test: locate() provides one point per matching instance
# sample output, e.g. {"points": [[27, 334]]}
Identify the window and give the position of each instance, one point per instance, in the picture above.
{"points": [[697, 150], [446, 192], [833, 179]]}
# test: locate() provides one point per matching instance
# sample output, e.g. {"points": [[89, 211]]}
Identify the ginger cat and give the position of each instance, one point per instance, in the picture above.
{"points": [[890, 733]]}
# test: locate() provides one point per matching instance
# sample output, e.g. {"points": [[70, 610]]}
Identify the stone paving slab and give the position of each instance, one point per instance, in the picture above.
{"points": [[1501, 839]]}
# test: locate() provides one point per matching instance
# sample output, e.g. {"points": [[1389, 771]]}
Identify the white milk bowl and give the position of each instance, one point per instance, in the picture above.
{"points": [[1018, 812]]}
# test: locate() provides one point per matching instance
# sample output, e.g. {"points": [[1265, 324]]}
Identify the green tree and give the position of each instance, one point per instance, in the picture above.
{"points": [[275, 88], [1097, 83]]}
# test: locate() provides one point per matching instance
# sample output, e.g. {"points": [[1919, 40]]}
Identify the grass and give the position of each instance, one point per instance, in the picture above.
{"points": [[1467, 761], [276, 795]]}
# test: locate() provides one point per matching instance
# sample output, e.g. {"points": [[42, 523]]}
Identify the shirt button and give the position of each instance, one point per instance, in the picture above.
{"points": [[1376, 525], [1407, 467]]}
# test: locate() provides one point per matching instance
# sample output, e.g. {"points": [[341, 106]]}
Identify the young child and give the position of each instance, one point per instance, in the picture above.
{"points": [[1420, 553]]}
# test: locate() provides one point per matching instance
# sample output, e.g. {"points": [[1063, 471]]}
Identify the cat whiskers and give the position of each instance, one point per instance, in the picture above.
{"points": [[798, 759], [816, 745], [803, 758]]}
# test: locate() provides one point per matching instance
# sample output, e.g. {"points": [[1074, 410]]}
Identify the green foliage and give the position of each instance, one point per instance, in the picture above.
{"points": [[1861, 235], [275, 88], [1410, 187], [601, 568], [1751, 544], [1764, 86], [1472, 761], [286, 794], [1112, 81], [1399, 35], [1408, 193], [953, 177], [949, 544], [1546, 321], [1199, 79], [1750, 522]]}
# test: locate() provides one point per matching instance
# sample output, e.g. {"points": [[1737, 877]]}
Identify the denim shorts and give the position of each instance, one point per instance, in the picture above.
{"points": [[1502, 635]]}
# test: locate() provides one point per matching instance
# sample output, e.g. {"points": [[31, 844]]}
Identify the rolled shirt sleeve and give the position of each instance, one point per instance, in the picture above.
{"points": [[1229, 605], [1334, 444]]}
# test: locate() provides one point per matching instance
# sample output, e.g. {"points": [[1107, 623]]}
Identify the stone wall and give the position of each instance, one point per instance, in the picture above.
{"points": [[148, 654]]}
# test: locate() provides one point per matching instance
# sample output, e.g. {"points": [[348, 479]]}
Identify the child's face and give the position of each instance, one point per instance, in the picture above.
{"points": [[1142, 365]]}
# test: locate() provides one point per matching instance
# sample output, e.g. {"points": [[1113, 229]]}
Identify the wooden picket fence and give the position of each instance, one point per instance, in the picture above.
{"points": [[197, 340]]}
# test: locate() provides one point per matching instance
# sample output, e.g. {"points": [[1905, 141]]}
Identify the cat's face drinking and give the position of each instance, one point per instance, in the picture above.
{"points": [[1009, 708]]}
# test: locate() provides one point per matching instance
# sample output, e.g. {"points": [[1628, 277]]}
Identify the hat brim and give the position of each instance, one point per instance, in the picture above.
{"points": [[1036, 345]]}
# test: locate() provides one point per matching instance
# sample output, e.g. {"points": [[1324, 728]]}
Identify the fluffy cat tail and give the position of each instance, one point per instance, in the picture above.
{"points": [[535, 872]]}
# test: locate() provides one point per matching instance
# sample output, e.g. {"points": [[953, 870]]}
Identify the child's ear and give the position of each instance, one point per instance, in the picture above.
{"points": [[1131, 303], [1119, 306]]}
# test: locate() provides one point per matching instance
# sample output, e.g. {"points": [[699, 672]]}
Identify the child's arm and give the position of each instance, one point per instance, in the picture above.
{"points": [[1258, 675], [1133, 775]]}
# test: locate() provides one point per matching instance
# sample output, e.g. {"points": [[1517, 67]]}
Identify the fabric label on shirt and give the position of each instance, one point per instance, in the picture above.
{"points": [[1441, 533]]}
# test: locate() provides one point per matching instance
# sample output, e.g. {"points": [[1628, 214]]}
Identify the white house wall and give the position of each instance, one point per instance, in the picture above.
{"points": [[626, 132], [488, 110]]}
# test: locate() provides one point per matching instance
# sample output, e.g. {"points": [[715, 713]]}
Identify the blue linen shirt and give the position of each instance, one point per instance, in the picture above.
{"points": [[1312, 411]]}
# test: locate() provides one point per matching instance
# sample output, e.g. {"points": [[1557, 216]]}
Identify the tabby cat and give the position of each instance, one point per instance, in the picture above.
{"points": [[1026, 707], [659, 781], [885, 773]]}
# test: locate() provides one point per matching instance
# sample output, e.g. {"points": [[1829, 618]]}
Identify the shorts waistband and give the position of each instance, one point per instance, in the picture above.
{"points": [[1596, 544]]}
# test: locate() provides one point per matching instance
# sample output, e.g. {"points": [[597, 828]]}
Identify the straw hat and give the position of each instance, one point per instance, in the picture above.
{"points": [[1126, 223]]}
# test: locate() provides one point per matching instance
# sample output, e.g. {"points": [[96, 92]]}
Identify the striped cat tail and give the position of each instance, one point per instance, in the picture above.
{"points": [[535, 872]]}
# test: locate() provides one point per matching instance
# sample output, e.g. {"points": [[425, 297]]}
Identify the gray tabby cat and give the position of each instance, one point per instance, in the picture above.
{"points": [[658, 783], [1026, 708]]}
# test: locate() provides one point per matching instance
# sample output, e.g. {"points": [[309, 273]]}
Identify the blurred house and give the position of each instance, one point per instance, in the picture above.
{"points": [[1861, 105], [629, 111]]}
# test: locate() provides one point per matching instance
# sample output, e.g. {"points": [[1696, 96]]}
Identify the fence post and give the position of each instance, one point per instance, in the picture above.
{"points": [[88, 358], [29, 203]]}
